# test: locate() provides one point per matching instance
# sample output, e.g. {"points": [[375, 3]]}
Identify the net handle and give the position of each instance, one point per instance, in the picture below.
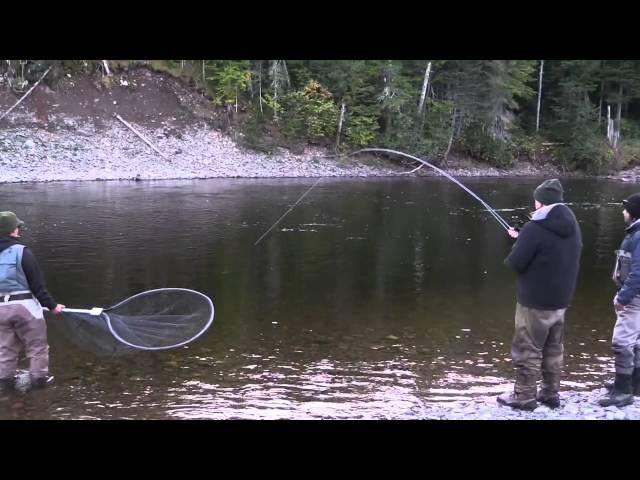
{"points": [[96, 311]]}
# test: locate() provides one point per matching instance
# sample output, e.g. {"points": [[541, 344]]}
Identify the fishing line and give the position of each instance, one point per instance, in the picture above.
{"points": [[503, 223]]}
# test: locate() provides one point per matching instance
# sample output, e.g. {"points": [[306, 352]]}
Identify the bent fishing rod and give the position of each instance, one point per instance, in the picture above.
{"points": [[503, 223], [495, 214]]}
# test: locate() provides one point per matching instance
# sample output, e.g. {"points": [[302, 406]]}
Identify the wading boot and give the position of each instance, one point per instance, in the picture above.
{"points": [[7, 385], [620, 395], [38, 383], [517, 401], [551, 400], [635, 382], [548, 393]]}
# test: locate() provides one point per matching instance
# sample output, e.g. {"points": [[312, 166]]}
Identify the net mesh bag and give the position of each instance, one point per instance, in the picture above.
{"points": [[91, 333], [152, 320]]}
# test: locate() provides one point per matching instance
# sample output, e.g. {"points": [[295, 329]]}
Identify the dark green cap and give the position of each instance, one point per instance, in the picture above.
{"points": [[9, 221], [549, 192]]}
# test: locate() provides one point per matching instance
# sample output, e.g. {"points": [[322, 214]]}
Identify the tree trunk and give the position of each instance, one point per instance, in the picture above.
{"points": [[613, 133], [286, 73], [620, 92], [340, 124], [26, 94], [453, 130], [252, 76], [600, 102], [609, 126], [539, 95], [425, 86], [619, 117], [602, 83], [275, 104], [128, 125], [260, 86], [276, 87], [387, 92]]}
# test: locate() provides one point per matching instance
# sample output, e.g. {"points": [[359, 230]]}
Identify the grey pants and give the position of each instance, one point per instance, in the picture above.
{"points": [[22, 325], [626, 338], [538, 346]]}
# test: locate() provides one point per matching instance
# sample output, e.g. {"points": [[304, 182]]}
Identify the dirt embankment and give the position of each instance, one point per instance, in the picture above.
{"points": [[70, 133]]}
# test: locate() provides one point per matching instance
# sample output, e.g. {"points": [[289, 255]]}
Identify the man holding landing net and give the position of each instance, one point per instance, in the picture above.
{"points": [[546, 258], [22, 292]]}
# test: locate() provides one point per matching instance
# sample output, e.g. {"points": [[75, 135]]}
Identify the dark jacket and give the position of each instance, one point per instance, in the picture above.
{"points": [[631, 286], [32, 272], [546, 257]]}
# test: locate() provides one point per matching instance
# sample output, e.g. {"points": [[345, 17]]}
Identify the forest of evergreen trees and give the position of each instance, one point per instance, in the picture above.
{"points": [[579, 114]]}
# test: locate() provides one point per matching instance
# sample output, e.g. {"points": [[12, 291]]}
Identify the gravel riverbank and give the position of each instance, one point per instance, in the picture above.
{"points": [[575, 405], [71, 149]]}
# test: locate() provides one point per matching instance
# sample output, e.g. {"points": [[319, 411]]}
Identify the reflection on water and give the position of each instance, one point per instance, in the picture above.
{"points": [[372, 299]]}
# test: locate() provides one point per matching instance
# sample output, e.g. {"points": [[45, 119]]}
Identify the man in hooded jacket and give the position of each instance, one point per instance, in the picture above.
{"points": [[626, 303], [546, 259]]}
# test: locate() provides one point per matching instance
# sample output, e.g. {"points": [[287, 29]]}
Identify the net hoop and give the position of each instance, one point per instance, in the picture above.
{"points": [[166, 347]]}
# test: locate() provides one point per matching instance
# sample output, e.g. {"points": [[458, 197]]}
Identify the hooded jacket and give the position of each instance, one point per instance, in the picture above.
{"points": [[631, 285], [546, 258]]}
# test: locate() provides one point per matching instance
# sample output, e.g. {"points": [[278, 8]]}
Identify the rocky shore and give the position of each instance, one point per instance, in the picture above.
{"points": [[575, 405], [73, 133], [78, 150]]}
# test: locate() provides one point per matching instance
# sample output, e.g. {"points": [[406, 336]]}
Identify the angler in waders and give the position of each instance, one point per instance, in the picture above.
{"points": [[626, 332], [22, 324], [546, 258]]}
